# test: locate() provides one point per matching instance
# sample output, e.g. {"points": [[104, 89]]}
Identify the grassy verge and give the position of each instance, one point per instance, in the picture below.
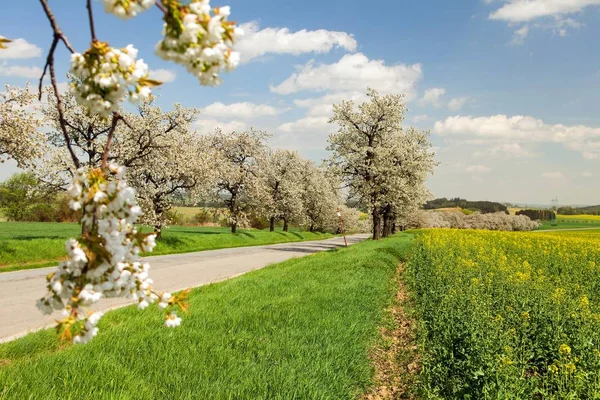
{"points": [[570, 223], [299, 329], [505, 315], [25, 245]]}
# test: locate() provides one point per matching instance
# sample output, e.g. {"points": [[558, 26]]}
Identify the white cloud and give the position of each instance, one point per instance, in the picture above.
{"points": [[553, 175], [21, 71], [511, 150], [258, 42], [590, 156], [209, 125], [420, 118], [477, 168], [520, 35], [163, 75], [520, 129], [323, 105], [308, 124], [527, 10], [20, 48], [587, 174], [353, 72], [432, 96], [457, 103], [551, 13], [243, 110]]}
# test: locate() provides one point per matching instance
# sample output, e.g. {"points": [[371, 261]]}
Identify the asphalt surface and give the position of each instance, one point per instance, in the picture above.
{"points": [[19, 290]]}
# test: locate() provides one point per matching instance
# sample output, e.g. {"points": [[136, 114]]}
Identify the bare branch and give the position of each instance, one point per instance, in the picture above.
{"points": [[113, 126], [161, 7], [91, 18]]}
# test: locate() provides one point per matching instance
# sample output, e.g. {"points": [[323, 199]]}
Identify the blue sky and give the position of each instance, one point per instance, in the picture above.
{"points": [[508, 88]]}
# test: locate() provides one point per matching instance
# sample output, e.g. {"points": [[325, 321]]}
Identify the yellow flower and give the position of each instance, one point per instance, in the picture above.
{"points": [[569, 368], [584, 302], [564, 350]]}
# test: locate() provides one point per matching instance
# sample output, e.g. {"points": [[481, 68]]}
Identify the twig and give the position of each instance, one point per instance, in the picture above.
{"points": [[161, 7], [113, 126], [58, 36], [91, 18], [57, 31], [61, 115]]}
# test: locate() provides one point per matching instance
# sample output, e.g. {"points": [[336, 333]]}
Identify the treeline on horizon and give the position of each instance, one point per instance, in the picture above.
{"points": [[588, 210], [484, 207], [538, 215]]}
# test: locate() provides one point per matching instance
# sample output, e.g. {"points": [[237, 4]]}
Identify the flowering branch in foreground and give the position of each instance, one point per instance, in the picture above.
{"points": [[105, 262], [199, 41]]}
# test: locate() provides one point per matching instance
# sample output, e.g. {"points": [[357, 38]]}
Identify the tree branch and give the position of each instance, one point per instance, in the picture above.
{"points": [[91, 18], [161, 7], [113, 126]]}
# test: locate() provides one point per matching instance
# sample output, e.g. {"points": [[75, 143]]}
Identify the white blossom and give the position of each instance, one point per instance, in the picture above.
{"points": [[20, 139], [127, 8], [105, 262], [202, 40], [172, 320], [103, 76]]}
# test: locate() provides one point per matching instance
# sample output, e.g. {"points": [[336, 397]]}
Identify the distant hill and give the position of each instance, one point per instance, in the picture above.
{"points": [[589, 210], [483, 207]]}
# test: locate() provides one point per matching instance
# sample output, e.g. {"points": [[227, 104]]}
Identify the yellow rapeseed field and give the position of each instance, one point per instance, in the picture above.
{"points": [[506, 315]]}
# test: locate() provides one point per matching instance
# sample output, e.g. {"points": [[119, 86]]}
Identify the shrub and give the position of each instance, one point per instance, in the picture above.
{"points": [[499, 221]]}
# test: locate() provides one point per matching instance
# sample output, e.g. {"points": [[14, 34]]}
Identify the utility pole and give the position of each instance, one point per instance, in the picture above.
{"points": [[341, 220], [555, 209]]}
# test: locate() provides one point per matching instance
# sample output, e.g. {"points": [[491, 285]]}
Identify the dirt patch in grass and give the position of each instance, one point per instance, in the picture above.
{"points": [[395, 357]]}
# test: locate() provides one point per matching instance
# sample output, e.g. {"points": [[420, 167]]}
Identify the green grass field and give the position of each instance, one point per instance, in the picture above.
{"points": [[572, 222], [300, 329], [38, 244]]}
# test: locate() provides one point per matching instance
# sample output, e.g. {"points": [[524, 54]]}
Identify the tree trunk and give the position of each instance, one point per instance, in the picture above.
{"points": [[393, 228], [158, 230], [387, 220], [272, 224], [232, 212], [285, 225], [376, 223], [312, 228]]}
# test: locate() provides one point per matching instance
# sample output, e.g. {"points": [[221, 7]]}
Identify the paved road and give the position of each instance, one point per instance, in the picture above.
{"points": [[20, 289]]}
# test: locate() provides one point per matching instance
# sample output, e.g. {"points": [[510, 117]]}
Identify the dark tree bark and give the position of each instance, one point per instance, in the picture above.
{"points": [[233, 227], [272, 224], [158, 231], [376, 223], [387, 220], [285, 225]]}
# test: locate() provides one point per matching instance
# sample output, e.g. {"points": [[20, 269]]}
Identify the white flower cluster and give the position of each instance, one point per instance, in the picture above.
{"points": [[127, 8], [104, 75], [200, 41], [105, 262]]}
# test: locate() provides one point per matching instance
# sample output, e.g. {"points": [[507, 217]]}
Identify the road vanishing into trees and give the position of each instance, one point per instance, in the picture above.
{"points": [[19, 290]]}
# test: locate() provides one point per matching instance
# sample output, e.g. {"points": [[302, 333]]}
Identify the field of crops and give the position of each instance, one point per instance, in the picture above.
{"points": [[582, 217], [507, 315]]}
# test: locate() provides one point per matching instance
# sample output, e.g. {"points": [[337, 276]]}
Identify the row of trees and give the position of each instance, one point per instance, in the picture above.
{"points": [[167, 161], [499, 221], [481, 206], [538, 215]]}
